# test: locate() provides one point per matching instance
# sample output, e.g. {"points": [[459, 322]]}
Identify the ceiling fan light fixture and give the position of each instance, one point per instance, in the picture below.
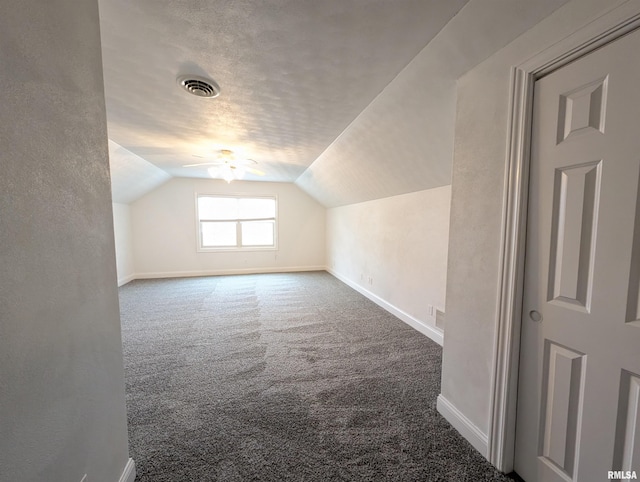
{"points": [[227, 167], [199, 86], [227, 175], [226, 172]]}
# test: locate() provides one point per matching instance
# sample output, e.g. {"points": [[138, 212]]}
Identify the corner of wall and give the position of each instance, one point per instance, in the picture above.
{"points": [[126, 279], [476, 437], [123, 236]]}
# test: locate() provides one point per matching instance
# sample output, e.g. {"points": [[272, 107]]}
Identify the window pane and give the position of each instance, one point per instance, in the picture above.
{"points": [[218, 234], [257, 233], [217, 208], [257, 208]]}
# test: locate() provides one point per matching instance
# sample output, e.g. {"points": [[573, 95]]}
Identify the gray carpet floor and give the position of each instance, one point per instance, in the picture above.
{"points": [[282, 377]]}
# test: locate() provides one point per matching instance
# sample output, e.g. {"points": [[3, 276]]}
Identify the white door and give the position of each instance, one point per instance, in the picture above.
{"points": [[579, 382]]}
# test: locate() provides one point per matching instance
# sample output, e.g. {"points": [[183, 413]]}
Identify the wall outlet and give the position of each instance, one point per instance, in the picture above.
{"points": [[430, 310]]}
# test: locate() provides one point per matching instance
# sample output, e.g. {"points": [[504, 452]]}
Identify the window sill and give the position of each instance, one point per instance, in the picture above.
{"points": [[237, 250]]}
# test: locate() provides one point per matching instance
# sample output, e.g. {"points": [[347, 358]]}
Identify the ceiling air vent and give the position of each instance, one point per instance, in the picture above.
{"points": [[199, 86]]}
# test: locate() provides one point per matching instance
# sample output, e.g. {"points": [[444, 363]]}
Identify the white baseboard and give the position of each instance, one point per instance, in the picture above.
{"points": [[432, 332], [129, 472], [123, 281], [462, 424], [226, 272]]}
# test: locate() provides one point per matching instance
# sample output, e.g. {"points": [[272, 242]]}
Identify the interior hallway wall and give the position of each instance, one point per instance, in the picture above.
{"points": [[62, 402], [478, 194], [123, 234], [394, 250], [165, 239]]}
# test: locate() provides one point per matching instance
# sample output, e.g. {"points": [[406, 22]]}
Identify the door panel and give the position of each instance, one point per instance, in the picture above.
{"points": [[562, 394], [579, 392], [575, 211], [627, 450]]}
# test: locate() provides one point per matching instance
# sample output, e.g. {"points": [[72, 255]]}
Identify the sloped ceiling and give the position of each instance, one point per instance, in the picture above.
{"points": [[131, 176], [293, 74], [353, 99], [403, 141]]}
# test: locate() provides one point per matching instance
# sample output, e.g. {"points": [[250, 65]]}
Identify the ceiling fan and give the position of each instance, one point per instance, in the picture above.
{"points": [[228, 167]]}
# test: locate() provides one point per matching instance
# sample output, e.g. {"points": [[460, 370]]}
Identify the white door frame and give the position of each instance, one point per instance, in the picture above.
{"points": [[610, 26]]}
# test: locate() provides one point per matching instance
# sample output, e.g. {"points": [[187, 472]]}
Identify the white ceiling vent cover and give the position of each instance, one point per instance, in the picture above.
{"points": [[199, 86]]}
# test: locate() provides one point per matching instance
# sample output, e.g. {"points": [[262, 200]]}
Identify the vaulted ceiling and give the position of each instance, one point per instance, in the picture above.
{"points": [[341, 97]]}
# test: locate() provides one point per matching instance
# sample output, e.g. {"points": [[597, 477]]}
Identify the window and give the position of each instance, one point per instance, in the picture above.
{"points": [[236, 222]]}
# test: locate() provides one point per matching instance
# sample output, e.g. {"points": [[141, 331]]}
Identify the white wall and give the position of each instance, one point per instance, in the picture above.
{"points": [[62, 402], [478, 194], [164, 231], [123, 234], [394, 250]]}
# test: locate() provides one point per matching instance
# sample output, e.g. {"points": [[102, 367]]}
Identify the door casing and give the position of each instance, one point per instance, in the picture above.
{"points": [[607, 28]]}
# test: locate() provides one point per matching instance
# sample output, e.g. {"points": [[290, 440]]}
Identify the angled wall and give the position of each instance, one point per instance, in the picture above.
{"points": [[131, 176], [403, 140], [62, 405], [387, 177], [394, 250]]}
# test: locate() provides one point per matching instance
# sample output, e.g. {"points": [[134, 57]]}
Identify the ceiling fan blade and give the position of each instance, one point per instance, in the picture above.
{"points": [[257, 172], [226, 159], [215, 163]]}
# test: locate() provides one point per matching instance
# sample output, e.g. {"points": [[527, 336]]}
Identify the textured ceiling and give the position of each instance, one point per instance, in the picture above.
{"points": [[403, 141], [293, 73]]}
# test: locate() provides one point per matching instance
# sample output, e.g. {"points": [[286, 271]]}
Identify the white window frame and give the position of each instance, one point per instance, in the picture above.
{"points": [[238, 247]]}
